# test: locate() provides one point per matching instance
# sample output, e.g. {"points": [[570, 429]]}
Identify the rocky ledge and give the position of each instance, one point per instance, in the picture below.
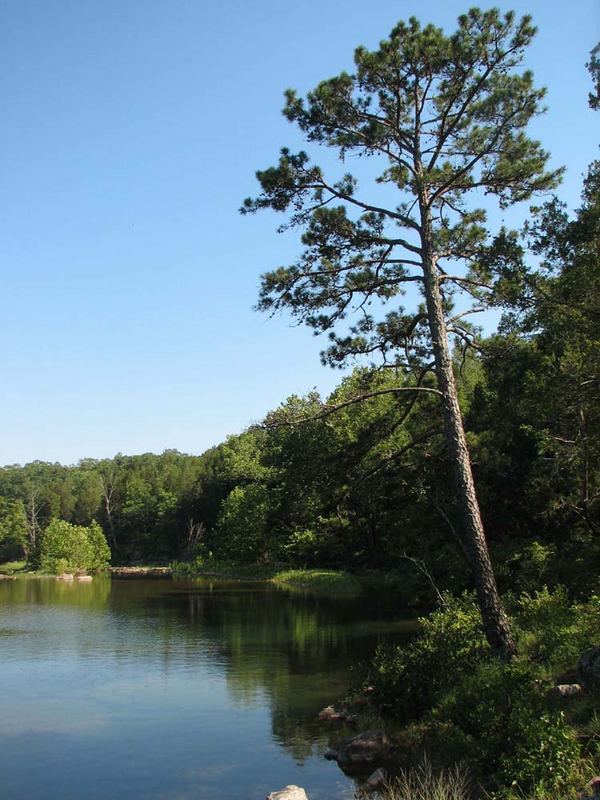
{"points": [[363, 752], [141, 572]]}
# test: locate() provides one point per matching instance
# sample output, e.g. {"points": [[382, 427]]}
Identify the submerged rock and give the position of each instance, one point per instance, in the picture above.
{"points": [[289, 793], [370, 748], [588, 668], [332, 714], [376, 780]]}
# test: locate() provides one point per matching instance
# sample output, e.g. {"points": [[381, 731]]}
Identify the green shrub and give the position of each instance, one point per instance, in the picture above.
{"points": [[500, 716], [542, 756], [409, 680], [100, 549], [73, 548], [554, 631]]}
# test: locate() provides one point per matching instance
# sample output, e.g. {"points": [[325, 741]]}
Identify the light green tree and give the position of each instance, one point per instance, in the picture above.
{"points": [[67, 547]]}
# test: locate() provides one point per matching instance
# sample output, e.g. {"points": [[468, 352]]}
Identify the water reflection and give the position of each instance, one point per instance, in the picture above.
{"points": [[190, 689]]}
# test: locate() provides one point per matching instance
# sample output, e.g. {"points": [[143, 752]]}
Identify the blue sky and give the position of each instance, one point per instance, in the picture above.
{"points": [[131, 133]]}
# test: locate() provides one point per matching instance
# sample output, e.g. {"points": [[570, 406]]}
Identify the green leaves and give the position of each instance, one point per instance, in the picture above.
{"points": [[74, 547]]}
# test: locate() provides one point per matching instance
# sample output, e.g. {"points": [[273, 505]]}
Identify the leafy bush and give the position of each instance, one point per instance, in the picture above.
{"points": [[410, 680], [100, 549], [73, 548], [542, 755], [500, 715], [554, 631]]}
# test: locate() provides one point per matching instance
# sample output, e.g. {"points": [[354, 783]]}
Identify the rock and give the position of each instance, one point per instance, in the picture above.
{"points": [[376, 780], [366, 749], [289, 793], [64, 576], [84, 578], [331, 714], [330, 754], [588, 668], [565, 690]]}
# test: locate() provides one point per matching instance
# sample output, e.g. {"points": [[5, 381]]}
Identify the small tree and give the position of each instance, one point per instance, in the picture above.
{"points": [[74, 547], [446, 116]]}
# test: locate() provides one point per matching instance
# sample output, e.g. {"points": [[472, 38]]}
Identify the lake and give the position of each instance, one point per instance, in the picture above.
{"points": [[179, 690]]}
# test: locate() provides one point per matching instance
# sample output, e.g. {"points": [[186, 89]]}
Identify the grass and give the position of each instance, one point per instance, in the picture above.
{"points": [[316, 580], [423, 783], [10, 567], [320, 580]]}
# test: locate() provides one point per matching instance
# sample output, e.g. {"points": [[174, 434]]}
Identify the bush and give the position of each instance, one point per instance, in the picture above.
{"points": [[543, 755], [500, 715], [100, 549], [73, 548], [555, 632], [410, 680]]}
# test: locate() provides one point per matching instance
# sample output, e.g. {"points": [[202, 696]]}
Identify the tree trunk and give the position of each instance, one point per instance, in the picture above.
{"points": [[495, 621]]}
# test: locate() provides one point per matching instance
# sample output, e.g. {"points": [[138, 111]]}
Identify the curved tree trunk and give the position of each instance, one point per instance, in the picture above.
{"points": [[495, 621]]}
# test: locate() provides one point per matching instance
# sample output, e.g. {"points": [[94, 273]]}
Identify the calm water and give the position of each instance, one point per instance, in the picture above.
{"points": [[147, 689]]}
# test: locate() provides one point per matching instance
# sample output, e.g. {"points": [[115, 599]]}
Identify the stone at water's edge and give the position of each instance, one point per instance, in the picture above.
{"points": [[289, 793], [332, 714], [376, 780], [368, 749], [588, 668]]}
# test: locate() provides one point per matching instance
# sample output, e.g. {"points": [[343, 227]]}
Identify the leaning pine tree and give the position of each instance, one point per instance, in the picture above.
{"points": [[441, 119]]}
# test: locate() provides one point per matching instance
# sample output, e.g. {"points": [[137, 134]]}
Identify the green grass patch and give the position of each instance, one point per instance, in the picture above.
{"points": [[222, 569], [319, 580], [10, 567]]}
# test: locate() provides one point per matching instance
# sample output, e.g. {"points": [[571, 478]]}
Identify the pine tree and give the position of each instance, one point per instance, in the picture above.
{"points": [[439, 119]]}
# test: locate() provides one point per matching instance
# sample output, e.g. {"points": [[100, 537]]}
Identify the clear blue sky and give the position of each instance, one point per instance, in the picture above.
{"points": [[131, 132]]}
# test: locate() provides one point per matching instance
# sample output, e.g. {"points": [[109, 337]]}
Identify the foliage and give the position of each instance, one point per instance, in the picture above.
{"points": [[409, 681], [555, 631], [67, 547], [506, 730], [496, 716], [13, 528]]}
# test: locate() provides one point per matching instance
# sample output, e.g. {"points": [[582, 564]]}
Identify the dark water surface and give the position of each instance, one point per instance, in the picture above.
{"points": [[178, 690]]}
